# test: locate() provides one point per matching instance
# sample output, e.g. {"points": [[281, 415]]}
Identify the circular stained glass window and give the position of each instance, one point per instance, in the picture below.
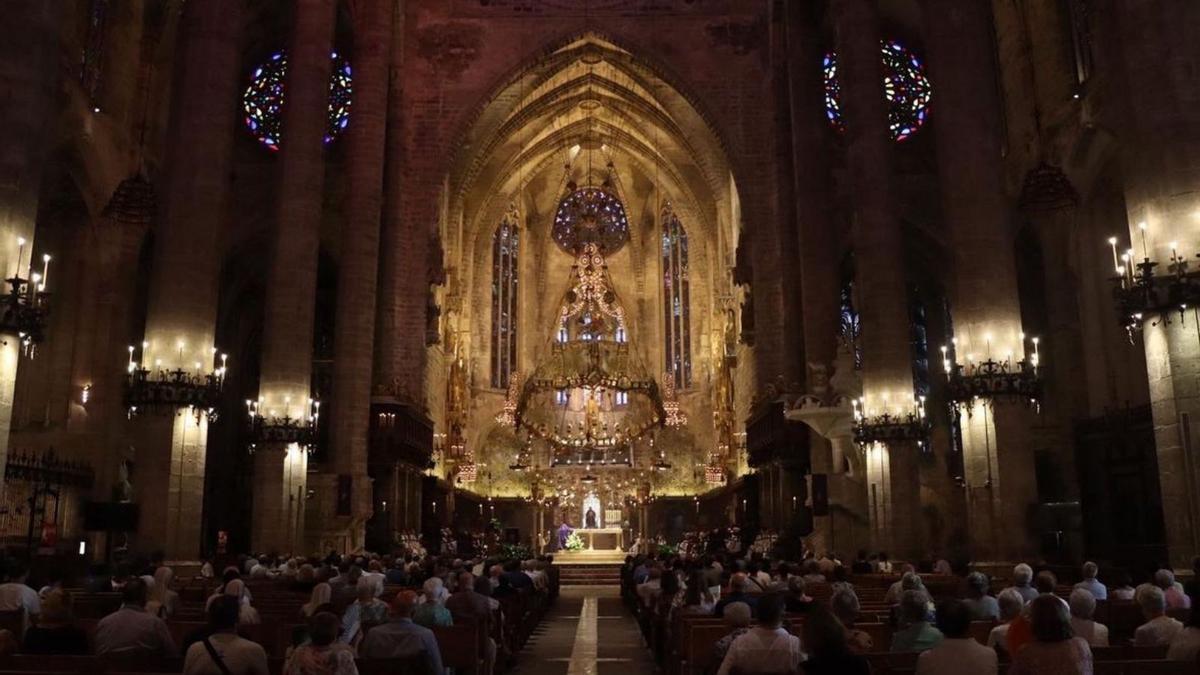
{"points": [[904, 83], [590, 215], [262, 103]]}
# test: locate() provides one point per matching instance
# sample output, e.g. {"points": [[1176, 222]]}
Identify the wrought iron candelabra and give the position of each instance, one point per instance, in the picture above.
{"points": [[1141, 294], [47, 468], [993, 380], [286, 430], [165, 391], [24, 308], [888, 428]]}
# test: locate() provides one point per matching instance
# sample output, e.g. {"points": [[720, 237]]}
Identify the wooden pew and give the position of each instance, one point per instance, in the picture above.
{"points": [[459, 646]]}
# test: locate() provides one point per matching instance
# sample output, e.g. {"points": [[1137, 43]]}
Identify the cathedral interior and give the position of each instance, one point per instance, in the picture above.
{"points": [[900, 275]]}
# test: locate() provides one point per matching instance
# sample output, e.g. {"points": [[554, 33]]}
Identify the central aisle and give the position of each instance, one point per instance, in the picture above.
{"points": [[589, 632]]}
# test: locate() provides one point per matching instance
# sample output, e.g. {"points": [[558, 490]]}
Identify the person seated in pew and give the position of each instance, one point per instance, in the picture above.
{"points": [[401, 638], [15, 594], [163, 601], [319, 601], [1054, 650], [368, 611], [1090, 584], [917, 633], [432, 612], [649, 591], [1185, 646], [1172, 590], [237, 588], [824, 638], [131, 630], [862, 564], [737, 618], [468, 605], [1011, 603], [224, 652], [797, 600], [323, 654], [892, 597], [982, 606], [55, 632], [958, 652], [1022, 579], [1123, 589], [765, 649], [845, 606], [696, 599], [737, 593], [1159, 628], [1083, 606]]}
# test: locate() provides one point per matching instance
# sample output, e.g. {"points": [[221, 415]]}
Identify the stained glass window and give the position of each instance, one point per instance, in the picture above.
{"points": [[904, 83], [851, 329], [587, 215], [505, 249], [676, 299], [262, 102]]}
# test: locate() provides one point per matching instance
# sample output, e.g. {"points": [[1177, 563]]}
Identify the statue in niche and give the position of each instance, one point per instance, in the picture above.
{"points": [[122, 491]]}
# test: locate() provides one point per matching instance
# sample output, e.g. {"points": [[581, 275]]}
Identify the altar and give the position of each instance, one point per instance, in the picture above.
{"points": [[603, 538]]}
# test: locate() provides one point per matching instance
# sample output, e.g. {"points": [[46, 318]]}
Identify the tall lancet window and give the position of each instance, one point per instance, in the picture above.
{"points": [[676, 299], [505, 266]]}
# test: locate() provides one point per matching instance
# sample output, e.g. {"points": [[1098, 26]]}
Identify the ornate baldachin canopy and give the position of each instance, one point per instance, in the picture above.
{"points": [[591, 392]]}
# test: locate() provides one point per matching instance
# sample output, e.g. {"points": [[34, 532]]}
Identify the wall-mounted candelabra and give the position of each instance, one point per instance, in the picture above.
{"points": [[271, 428], [891, 425], [993, 378], [163, 390], [1141, 294], [25, 306], [48, 468]]}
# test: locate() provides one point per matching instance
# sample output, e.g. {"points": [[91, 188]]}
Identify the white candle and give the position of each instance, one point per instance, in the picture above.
{"points": [[1145, 251], [1112, 241], [45, 271], [131, 357]]}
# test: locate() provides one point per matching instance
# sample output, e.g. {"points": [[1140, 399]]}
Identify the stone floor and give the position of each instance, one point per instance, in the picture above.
{"points": [[588, 632]]}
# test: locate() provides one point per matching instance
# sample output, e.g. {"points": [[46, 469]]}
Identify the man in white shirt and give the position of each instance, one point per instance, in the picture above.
{"points": [[236, 654], [16, 594], [958, 652], [1159, 628], [766, 648], [1021, 578], [1098, 590]]}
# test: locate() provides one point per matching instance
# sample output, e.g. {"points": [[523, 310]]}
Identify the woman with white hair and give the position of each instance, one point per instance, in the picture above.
{"points": [[247, 615], [1172, 590], [319, 601], [163, 601], [1159, 628], [845, 606], [1011, 603], [1022, 580], [1098, 590], [432, 612], [1083, 606]]}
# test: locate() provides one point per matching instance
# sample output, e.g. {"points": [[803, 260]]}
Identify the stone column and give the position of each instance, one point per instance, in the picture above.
{"points": [[1050, 204], [181, 315], [997, 455], [354, 338], [893, 478], [30, 75], [818, 273], [286, 379], [1158, 53], [114, 242]]}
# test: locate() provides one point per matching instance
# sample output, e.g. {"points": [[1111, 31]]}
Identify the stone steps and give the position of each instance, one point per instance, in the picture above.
{"points": [[590, 575]]}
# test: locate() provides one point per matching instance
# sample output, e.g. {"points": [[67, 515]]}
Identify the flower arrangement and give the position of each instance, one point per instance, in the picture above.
{"points": [[574, 542]]}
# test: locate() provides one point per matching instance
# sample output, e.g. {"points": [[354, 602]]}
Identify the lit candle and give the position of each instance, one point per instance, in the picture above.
{"points": [[1112, 241], [1174, 254], [1145, 251], [988, 339], [131, 357], [45, 271]]}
